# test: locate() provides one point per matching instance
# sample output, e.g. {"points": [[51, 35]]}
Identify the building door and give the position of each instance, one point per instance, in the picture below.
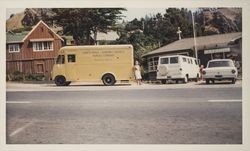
{"points": [[40, 68]]}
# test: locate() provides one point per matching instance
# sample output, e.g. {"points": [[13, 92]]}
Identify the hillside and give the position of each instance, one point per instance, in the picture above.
{"points": [[211, 21]]}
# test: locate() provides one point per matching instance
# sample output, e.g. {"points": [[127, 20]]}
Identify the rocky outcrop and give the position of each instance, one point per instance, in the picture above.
{"points": [[221, 20], [30, 17]]}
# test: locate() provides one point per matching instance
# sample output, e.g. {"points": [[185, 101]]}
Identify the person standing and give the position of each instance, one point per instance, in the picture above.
{"points": [[137, 70], [201, 72]]}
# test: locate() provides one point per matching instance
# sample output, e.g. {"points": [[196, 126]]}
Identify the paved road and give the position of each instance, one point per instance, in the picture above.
{"points": [[127, 116]]}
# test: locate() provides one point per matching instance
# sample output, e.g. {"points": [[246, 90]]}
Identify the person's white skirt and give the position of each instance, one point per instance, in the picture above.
{"points": [[138, 75]]}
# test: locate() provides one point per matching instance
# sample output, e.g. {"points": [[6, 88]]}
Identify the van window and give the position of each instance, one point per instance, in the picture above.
{"points": [[184, 59], [60, 59], [188, 60], [173, 60], [72, 58], [164, 60], [191, 61]]}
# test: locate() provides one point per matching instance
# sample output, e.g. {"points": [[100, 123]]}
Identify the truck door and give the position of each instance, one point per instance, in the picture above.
{"points": [[174, 66], [71, 67]]}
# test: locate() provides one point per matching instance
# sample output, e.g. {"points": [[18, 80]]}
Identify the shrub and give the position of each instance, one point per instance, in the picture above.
{"points": [[17, 76], [35, 77]]}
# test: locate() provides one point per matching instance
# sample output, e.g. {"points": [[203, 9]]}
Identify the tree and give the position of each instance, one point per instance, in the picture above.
{"points": [[81, 22]]}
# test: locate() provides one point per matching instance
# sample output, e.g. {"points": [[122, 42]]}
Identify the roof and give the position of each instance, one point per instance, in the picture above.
{"points": [[95, 47], [203, 42], [109, 36], [15, 37], [20, 37]]}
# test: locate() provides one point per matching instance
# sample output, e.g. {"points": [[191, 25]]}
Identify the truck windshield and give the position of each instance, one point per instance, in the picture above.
{"points": [[60, 59], [220, 64]]}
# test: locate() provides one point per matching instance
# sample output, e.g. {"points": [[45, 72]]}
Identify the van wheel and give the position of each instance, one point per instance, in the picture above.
{"points": [[108, 79], [185, 80], [60, 81], [163, 81], [197, 78]]}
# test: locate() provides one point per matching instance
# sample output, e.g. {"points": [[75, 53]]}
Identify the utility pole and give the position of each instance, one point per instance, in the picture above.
{"points": [[195, 48]]}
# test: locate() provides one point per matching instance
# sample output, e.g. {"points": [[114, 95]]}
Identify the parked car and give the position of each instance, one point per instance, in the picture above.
{"points": [[178, 68], [220, 69]]}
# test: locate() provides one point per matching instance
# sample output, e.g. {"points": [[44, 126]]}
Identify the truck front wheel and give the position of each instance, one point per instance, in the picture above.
{"points": [[108, 79], [60, 81]]}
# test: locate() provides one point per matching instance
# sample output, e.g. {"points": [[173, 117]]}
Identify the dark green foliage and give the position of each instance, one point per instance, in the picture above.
{"points": [[17, 76], [19, 30], [34, 77], [81, 22]]}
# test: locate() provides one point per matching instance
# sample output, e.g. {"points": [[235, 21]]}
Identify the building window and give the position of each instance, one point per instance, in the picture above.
{"points": [[14, 48], [43, 46], [152, 64]]}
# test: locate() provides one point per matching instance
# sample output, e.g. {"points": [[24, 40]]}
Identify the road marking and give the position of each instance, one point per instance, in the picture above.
{"points": [[17, 102], [20, 129], [224, 100]]}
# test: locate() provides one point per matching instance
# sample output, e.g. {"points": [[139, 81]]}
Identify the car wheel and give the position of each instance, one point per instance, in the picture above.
{"points": [[163, 81], [207, 81], [60, 81], [233, 81], [108, 79]]}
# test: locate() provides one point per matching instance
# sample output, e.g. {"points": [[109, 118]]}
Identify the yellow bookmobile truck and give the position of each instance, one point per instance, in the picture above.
{"points": [[109, 64]]}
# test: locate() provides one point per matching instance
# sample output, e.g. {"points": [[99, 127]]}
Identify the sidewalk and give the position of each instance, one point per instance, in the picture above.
{"points": [[83, 86]]}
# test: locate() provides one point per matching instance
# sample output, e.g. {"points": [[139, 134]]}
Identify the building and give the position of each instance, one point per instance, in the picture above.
{"points": [[208, 47], [105, 38], [32, 52]]}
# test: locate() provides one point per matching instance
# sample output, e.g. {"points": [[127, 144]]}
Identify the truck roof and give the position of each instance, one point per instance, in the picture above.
{"points": [[95, 47]]}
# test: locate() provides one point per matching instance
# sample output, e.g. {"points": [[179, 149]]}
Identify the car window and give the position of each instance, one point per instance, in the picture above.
{"points": [[220, 64], [173, 60], [164, 60], [195, 61]]}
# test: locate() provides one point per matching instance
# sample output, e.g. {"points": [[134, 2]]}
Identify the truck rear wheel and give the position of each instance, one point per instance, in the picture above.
{"points": [[67, 83], [60, 80], [108, 79]]}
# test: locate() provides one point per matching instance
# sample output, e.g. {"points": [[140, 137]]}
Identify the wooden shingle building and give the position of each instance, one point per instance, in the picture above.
{"points": [[32, 52], [208, 47]]}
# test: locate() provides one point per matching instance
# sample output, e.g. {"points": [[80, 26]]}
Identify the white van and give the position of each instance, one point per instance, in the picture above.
{"points": [[178, 68]]}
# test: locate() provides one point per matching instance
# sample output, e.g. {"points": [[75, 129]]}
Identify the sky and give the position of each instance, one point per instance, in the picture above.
{"points": [[130, 14]]}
